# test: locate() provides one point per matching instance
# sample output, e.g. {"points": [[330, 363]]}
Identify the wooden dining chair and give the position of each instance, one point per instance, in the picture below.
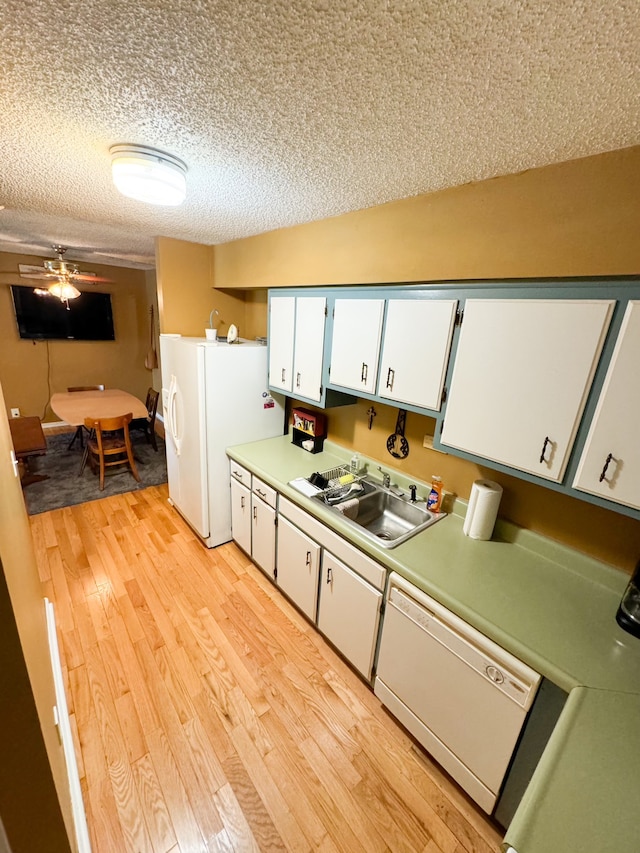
{"points": [[148, 424], [110, 444], [79, 433]]}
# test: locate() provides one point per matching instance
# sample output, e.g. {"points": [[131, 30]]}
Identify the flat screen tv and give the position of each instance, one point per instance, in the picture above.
{"points": [[45, 317]]}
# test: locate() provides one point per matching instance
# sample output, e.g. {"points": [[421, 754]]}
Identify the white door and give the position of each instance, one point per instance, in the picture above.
{"points": [[610, 462], [521, 377], [415, 350], [309, 346], [263, 535], [241, 515], [298, 564], [281, 336], [355, 347], [349, 612]]}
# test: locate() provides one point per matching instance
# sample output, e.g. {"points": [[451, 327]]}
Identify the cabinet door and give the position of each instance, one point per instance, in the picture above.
{"points": [[281, 338], [349, 612], [612, 447], [415, 350], [309, 346], [298, 565], [263, 535], [355, 345], [241, 515], [522, 373]]}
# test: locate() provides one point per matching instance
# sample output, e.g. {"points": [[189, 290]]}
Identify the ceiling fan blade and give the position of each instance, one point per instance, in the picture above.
{"points": [[42, 276], [88, 277]]}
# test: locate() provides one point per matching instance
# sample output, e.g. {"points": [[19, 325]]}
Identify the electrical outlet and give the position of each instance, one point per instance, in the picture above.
{"points": [[15, 413]]}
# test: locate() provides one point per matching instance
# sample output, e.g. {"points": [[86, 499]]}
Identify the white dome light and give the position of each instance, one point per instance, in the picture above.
{"points": [[148, 175]]}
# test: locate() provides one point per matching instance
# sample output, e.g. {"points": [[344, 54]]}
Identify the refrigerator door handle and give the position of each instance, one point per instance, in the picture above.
{"points": [[173, 393]]}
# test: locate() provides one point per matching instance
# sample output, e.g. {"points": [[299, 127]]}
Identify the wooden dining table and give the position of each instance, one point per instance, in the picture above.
{"points": [[74, 406]]}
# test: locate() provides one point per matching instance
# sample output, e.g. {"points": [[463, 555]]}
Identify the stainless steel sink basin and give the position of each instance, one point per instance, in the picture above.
{"points": [[382, 515]]}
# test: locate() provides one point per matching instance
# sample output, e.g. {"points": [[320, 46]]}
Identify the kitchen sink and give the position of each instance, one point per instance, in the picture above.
{"points": [[383, 515]]}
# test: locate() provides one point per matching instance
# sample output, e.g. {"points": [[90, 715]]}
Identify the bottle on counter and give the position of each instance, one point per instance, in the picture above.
{"points": [[434, 500], [355, 464], [628, 615]]}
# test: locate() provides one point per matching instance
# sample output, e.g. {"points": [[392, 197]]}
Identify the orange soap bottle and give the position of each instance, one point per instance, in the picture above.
{"points": [[435, 495]]}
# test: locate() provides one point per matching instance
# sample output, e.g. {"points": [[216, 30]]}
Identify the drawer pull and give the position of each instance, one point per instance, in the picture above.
{"points": [[261, 493]]}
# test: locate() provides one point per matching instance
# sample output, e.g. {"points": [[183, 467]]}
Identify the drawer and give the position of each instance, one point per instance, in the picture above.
{"points": [[239, 473], [266, 493]]}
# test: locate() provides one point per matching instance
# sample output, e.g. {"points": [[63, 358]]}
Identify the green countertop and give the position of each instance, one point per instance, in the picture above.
{"points": [[554, 609], [584, 793]]}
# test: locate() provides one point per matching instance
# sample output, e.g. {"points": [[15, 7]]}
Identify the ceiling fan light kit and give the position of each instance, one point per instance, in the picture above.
{"points": [[64, 291], [149, 175]]}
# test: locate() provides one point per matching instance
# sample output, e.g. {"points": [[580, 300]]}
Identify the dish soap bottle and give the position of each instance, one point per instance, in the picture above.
{"points": [[355, 464], [435, 495]]}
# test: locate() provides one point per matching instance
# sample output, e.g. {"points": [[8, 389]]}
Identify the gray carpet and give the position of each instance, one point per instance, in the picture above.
{"points": [[65, 488]]}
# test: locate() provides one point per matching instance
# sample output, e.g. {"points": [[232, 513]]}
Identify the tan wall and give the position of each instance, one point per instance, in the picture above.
{"points": [[32, 757], [30, 372], [573, 219], [186, 294]]}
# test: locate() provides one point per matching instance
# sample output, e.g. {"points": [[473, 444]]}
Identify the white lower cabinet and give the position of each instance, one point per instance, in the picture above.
{"points": [[263, 526], [241, 515], [298, 564], [253, 519], [350, 590], [349, 612]]}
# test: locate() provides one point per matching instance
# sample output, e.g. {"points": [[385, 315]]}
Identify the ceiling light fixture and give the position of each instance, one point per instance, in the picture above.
{"points": [[148, 175]]}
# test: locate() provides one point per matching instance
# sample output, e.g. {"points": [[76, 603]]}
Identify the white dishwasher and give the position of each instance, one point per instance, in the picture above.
{"points": [[463, 697]]}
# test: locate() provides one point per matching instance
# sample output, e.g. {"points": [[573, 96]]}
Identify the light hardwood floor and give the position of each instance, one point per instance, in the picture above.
{"points": [[209, 715]]}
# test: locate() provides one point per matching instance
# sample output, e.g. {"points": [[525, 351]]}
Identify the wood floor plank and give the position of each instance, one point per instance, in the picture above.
{"points": [[209, 715], [156, 814]]}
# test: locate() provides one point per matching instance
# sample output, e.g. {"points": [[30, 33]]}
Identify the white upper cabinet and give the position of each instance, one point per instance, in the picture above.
{"points": [[355, 347], [309, 346], [521, 376], [282, 314], [296, 344], [610, 462], [415, 350]]}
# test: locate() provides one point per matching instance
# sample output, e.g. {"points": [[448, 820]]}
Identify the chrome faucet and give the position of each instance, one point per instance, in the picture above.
{"points": [[386, 478]]}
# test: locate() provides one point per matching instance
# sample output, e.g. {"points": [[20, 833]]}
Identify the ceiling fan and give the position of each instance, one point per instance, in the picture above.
{"points": [[62, 275]]}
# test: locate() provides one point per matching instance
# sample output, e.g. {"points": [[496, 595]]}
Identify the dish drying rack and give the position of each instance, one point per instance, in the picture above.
{"points": [[335, 491]]}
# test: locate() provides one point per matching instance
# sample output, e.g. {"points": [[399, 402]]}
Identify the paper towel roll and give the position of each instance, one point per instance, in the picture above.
{"points": [[482, 510]]}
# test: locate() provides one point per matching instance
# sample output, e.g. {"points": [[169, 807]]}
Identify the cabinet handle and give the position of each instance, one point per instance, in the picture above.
{"points": [[544, 449], [308, 560], [606, 465], [283, 373], [238, 475], [261, 493], [297, 380], [364, 372], [242, 502], [255, 513], [329, 575], [391, 375]]}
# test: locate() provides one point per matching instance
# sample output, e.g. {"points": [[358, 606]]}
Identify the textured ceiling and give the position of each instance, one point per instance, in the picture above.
{"points": [[296, 110]]}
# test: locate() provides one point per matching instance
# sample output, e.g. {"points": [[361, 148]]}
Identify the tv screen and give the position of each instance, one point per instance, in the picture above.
{"points": [[45, 317]]}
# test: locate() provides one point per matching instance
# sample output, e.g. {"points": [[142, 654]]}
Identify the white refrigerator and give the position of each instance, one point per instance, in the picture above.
{"points": [[214, 395]]}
